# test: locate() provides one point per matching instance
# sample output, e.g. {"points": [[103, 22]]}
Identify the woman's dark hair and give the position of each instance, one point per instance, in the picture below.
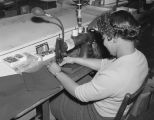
{"points": [[119, 24]]}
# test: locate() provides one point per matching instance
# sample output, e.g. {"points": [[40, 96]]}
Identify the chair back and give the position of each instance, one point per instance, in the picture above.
{"points": [[129, 99]]}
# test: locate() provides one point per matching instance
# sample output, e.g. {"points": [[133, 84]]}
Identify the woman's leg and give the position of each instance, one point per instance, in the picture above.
{"points": [[65, 107]]}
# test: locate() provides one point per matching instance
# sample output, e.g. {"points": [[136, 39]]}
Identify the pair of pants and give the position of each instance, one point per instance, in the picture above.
{"points": [[66, 107]]}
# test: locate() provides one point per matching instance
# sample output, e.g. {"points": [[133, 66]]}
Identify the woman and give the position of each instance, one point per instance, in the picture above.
{"points": [[101, 97]]}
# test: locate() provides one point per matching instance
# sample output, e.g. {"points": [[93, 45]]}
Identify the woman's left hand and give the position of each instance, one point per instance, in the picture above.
{"points": [[54, 68]]}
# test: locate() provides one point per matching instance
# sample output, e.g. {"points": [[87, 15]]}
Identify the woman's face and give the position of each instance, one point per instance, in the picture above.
{"points": [[109, 44]]}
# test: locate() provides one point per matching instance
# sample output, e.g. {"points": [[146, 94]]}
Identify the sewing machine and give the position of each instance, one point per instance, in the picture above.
{"points": [[25, 40]]}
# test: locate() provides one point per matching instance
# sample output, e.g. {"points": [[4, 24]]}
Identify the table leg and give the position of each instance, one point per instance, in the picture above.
{"points": [[45, 111]]}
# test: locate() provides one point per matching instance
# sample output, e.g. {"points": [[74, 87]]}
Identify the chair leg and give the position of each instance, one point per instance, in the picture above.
{"points": [[150, 99]]}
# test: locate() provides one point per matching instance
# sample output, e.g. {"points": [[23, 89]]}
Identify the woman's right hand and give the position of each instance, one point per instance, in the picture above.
{"points": [[67, 60]]}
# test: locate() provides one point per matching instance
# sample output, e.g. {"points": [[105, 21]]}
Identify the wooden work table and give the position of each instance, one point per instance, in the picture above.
{"points": [[31, 90]]}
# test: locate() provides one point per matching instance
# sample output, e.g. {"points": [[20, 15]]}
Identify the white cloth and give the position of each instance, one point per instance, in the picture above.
{"points": [[115, 78]]}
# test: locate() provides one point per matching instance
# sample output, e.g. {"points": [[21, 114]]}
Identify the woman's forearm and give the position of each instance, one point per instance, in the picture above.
{"points": [[94, 64]]}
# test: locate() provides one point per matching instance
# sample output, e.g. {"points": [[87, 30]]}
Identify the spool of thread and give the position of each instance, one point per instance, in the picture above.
{"points": [[80, 29], [74, 33]]}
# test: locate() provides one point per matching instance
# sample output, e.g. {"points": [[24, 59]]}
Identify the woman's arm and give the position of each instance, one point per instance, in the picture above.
{"points": [[74, 88], [94, 64]]}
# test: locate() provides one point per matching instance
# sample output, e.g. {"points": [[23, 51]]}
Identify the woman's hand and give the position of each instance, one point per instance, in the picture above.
{"points": [[54, 68], [67, 60]]}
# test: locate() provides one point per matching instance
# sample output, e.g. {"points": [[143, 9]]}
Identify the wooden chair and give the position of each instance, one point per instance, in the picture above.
{"points": [[128, 100]]}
